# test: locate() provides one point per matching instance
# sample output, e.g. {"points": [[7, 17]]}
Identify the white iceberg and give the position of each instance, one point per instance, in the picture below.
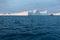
{"points": [[25, 13]]}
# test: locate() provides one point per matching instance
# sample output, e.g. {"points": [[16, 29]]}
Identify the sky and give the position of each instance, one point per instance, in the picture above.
{"points": [[13, 6]]}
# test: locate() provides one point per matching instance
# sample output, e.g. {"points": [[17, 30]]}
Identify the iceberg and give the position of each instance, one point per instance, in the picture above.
{"points": [[25, 13]]}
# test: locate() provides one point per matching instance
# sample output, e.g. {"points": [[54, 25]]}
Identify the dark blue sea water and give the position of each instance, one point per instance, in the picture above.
{"points": [[29, 27]]}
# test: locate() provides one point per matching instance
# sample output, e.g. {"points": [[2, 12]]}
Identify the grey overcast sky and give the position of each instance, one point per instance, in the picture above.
{"points": [[11, 6]]}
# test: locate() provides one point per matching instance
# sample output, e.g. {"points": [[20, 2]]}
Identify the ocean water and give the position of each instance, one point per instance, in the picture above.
{"points": [[29, 27]]}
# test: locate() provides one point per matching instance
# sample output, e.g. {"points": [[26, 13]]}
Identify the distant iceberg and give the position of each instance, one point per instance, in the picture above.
{"points": [[31, 12], [56, 13], [25, 13], [44, 12], [36, 12]]}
